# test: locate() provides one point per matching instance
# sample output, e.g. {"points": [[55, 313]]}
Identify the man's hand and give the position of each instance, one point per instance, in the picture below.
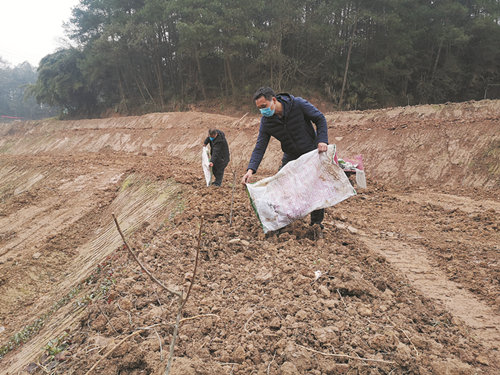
{"points": [[246, 178], [210, 164], [322, 147]]}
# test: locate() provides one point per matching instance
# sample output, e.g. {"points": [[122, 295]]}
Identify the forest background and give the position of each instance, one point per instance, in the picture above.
{"points": [[139, 56]]}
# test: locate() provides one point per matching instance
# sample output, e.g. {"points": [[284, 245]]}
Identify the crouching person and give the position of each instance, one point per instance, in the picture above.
{"points": [[219, 151]]}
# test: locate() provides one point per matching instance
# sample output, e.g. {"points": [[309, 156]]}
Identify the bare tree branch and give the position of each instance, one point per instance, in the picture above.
{"points": [[174, 292], [182, 301], [344, 355]]}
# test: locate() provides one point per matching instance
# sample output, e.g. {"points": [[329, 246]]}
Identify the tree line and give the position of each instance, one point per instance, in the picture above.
{"points": [[14, 105], [136, 56]]}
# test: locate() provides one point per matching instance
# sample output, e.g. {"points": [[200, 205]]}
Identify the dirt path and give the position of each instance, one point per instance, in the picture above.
{"points": [[452, 202], [412, 261], [432, 238]]}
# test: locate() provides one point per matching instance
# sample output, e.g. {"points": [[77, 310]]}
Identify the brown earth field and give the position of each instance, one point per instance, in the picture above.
{"points": [[409, 279]]}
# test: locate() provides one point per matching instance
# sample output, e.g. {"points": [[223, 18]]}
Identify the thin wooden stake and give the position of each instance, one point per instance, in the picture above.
{"points": [[195, 262], [174, 337], [232, 199], [182, 302]]}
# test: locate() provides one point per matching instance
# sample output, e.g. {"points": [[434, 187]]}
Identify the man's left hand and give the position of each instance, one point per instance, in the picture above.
{"points": [[322, 147], [211, 164]]}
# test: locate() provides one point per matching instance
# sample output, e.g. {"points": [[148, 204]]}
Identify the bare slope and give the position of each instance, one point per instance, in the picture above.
{"points": [[451, 144]]}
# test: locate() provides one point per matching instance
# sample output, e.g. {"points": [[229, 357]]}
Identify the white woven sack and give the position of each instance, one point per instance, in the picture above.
{"points": [[309, 183], [205, 164]]}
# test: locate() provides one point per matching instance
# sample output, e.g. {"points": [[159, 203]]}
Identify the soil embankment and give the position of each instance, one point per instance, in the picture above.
{"points": [[410, 266]]}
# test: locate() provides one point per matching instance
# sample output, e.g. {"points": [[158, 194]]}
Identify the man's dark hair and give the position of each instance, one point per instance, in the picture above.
{"points": [[266, 92], [212, 132]]}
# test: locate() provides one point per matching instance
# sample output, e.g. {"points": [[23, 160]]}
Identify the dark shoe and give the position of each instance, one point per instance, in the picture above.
{"points": [[273, 233], [270, 234], [320, 225], [317, 231]]}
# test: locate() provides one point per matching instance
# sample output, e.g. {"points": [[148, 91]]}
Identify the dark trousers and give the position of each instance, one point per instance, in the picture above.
{"points": [[316, 216], [218, 172]]}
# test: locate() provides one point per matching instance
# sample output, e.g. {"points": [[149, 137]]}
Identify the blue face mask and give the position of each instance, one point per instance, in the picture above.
{"points": [[211, 138], [267, 112]]}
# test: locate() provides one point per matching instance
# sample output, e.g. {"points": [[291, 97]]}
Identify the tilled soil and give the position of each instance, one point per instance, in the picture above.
{"points": [[405, 280], [256, 305]]}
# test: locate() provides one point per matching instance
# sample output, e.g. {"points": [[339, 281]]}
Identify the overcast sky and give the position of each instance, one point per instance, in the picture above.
{"points": [[31, 29]]}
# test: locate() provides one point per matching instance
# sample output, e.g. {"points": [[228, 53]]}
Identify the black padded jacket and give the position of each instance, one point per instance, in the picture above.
{"points": [[293, 129], [219, 149]]}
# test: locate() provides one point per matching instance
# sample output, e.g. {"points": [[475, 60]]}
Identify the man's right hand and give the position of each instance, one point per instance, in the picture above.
{"points": [[246, 178]]}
